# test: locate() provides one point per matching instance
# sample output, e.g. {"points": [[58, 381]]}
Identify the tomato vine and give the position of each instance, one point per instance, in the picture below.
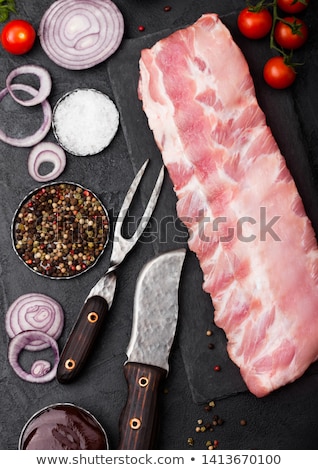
{"points": [[6, 7], [297, 30]]}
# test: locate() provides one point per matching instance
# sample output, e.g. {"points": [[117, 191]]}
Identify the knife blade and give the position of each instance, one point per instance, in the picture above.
{"points": [[153, 330]]}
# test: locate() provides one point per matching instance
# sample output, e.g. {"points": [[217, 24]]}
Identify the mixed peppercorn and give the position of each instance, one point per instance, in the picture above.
{"points": [[60, 230], [209, 425]]}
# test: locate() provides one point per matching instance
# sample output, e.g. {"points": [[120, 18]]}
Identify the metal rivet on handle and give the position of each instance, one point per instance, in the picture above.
{"points": [[135, 423], [70, 364], [143, 381], [92, 317]]}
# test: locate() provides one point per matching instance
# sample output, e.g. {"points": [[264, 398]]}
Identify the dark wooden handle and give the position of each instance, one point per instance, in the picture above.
{"points": [[139, 419], [82, 338]]}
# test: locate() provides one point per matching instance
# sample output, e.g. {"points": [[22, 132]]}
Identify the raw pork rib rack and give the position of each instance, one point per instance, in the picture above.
{"points": [[246, 221]]}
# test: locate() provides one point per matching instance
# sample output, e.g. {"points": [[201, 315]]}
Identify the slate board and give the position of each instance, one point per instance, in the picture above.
{"points": [[196, 310]]}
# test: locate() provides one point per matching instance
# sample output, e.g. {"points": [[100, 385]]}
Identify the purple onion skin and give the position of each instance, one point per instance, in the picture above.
{"points": [[35, 311], [39, 135], [19, 342]]}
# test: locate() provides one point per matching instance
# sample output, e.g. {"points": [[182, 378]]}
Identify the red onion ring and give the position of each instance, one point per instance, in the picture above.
{"points": [[36, 312], [20, 342], [40, 367], [34, 139], [46, 152], [79, 34], [45, 83]]}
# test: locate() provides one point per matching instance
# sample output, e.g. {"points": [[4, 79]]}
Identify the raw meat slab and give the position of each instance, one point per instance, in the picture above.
{"points": [[196, 313]]}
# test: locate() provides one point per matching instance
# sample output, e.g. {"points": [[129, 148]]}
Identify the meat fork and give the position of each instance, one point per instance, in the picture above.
{"points": [[98, 302]]}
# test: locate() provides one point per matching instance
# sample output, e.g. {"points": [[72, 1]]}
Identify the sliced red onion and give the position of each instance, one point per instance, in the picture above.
{"points": [[46, 152], [40, 367], [78, 34], [45, 84], [20, 342], [85, 121], [35, 312], [34, 139]]}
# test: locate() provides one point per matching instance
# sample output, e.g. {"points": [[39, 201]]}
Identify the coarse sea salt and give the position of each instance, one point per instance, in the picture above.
{"points": [[85, 121]]}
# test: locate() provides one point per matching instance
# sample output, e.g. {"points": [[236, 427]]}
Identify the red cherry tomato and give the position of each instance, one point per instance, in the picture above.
{"points": [[278, 74], [291, 37], [292, 6], [18, 37], [254, 24]]}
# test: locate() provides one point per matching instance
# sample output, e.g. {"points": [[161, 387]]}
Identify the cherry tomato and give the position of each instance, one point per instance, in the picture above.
{"points": [[278, 74], [292, 6], [18, 37], [254, 24], [291, 37]]}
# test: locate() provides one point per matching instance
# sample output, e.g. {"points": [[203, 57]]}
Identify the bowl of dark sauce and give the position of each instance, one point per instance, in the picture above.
{"points": [[63, 426]]}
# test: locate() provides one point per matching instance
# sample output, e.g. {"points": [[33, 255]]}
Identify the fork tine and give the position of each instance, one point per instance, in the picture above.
{"points": [[150, 207], [123, 245], [128, 198]]}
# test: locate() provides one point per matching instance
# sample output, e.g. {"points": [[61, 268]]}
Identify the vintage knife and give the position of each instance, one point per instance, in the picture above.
{"points": [[153, 330]]}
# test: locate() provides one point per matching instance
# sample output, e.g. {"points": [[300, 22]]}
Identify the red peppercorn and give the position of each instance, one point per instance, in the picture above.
{"points": [[141, 28], [217, 368], [167, 8]]}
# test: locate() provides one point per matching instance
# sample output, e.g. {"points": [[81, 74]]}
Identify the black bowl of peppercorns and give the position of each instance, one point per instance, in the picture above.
{"points": [[60, 230]]}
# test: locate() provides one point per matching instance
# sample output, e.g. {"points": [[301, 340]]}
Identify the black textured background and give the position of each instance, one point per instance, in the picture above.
{"points": [[287, 419]]}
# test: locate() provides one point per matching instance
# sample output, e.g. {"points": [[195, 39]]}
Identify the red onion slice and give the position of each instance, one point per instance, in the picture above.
{"points": [[36, 312], [45, 83], [46, 152], [78, 34], [40, 367], [34, 139], [20, 342]]}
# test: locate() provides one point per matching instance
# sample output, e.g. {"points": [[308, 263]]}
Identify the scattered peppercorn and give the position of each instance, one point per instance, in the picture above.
{"points": [[60, 230], [243, 422], [141, 28], [217, 368], [211, 346], [190, 441], [167, 8], [209, 333]]}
